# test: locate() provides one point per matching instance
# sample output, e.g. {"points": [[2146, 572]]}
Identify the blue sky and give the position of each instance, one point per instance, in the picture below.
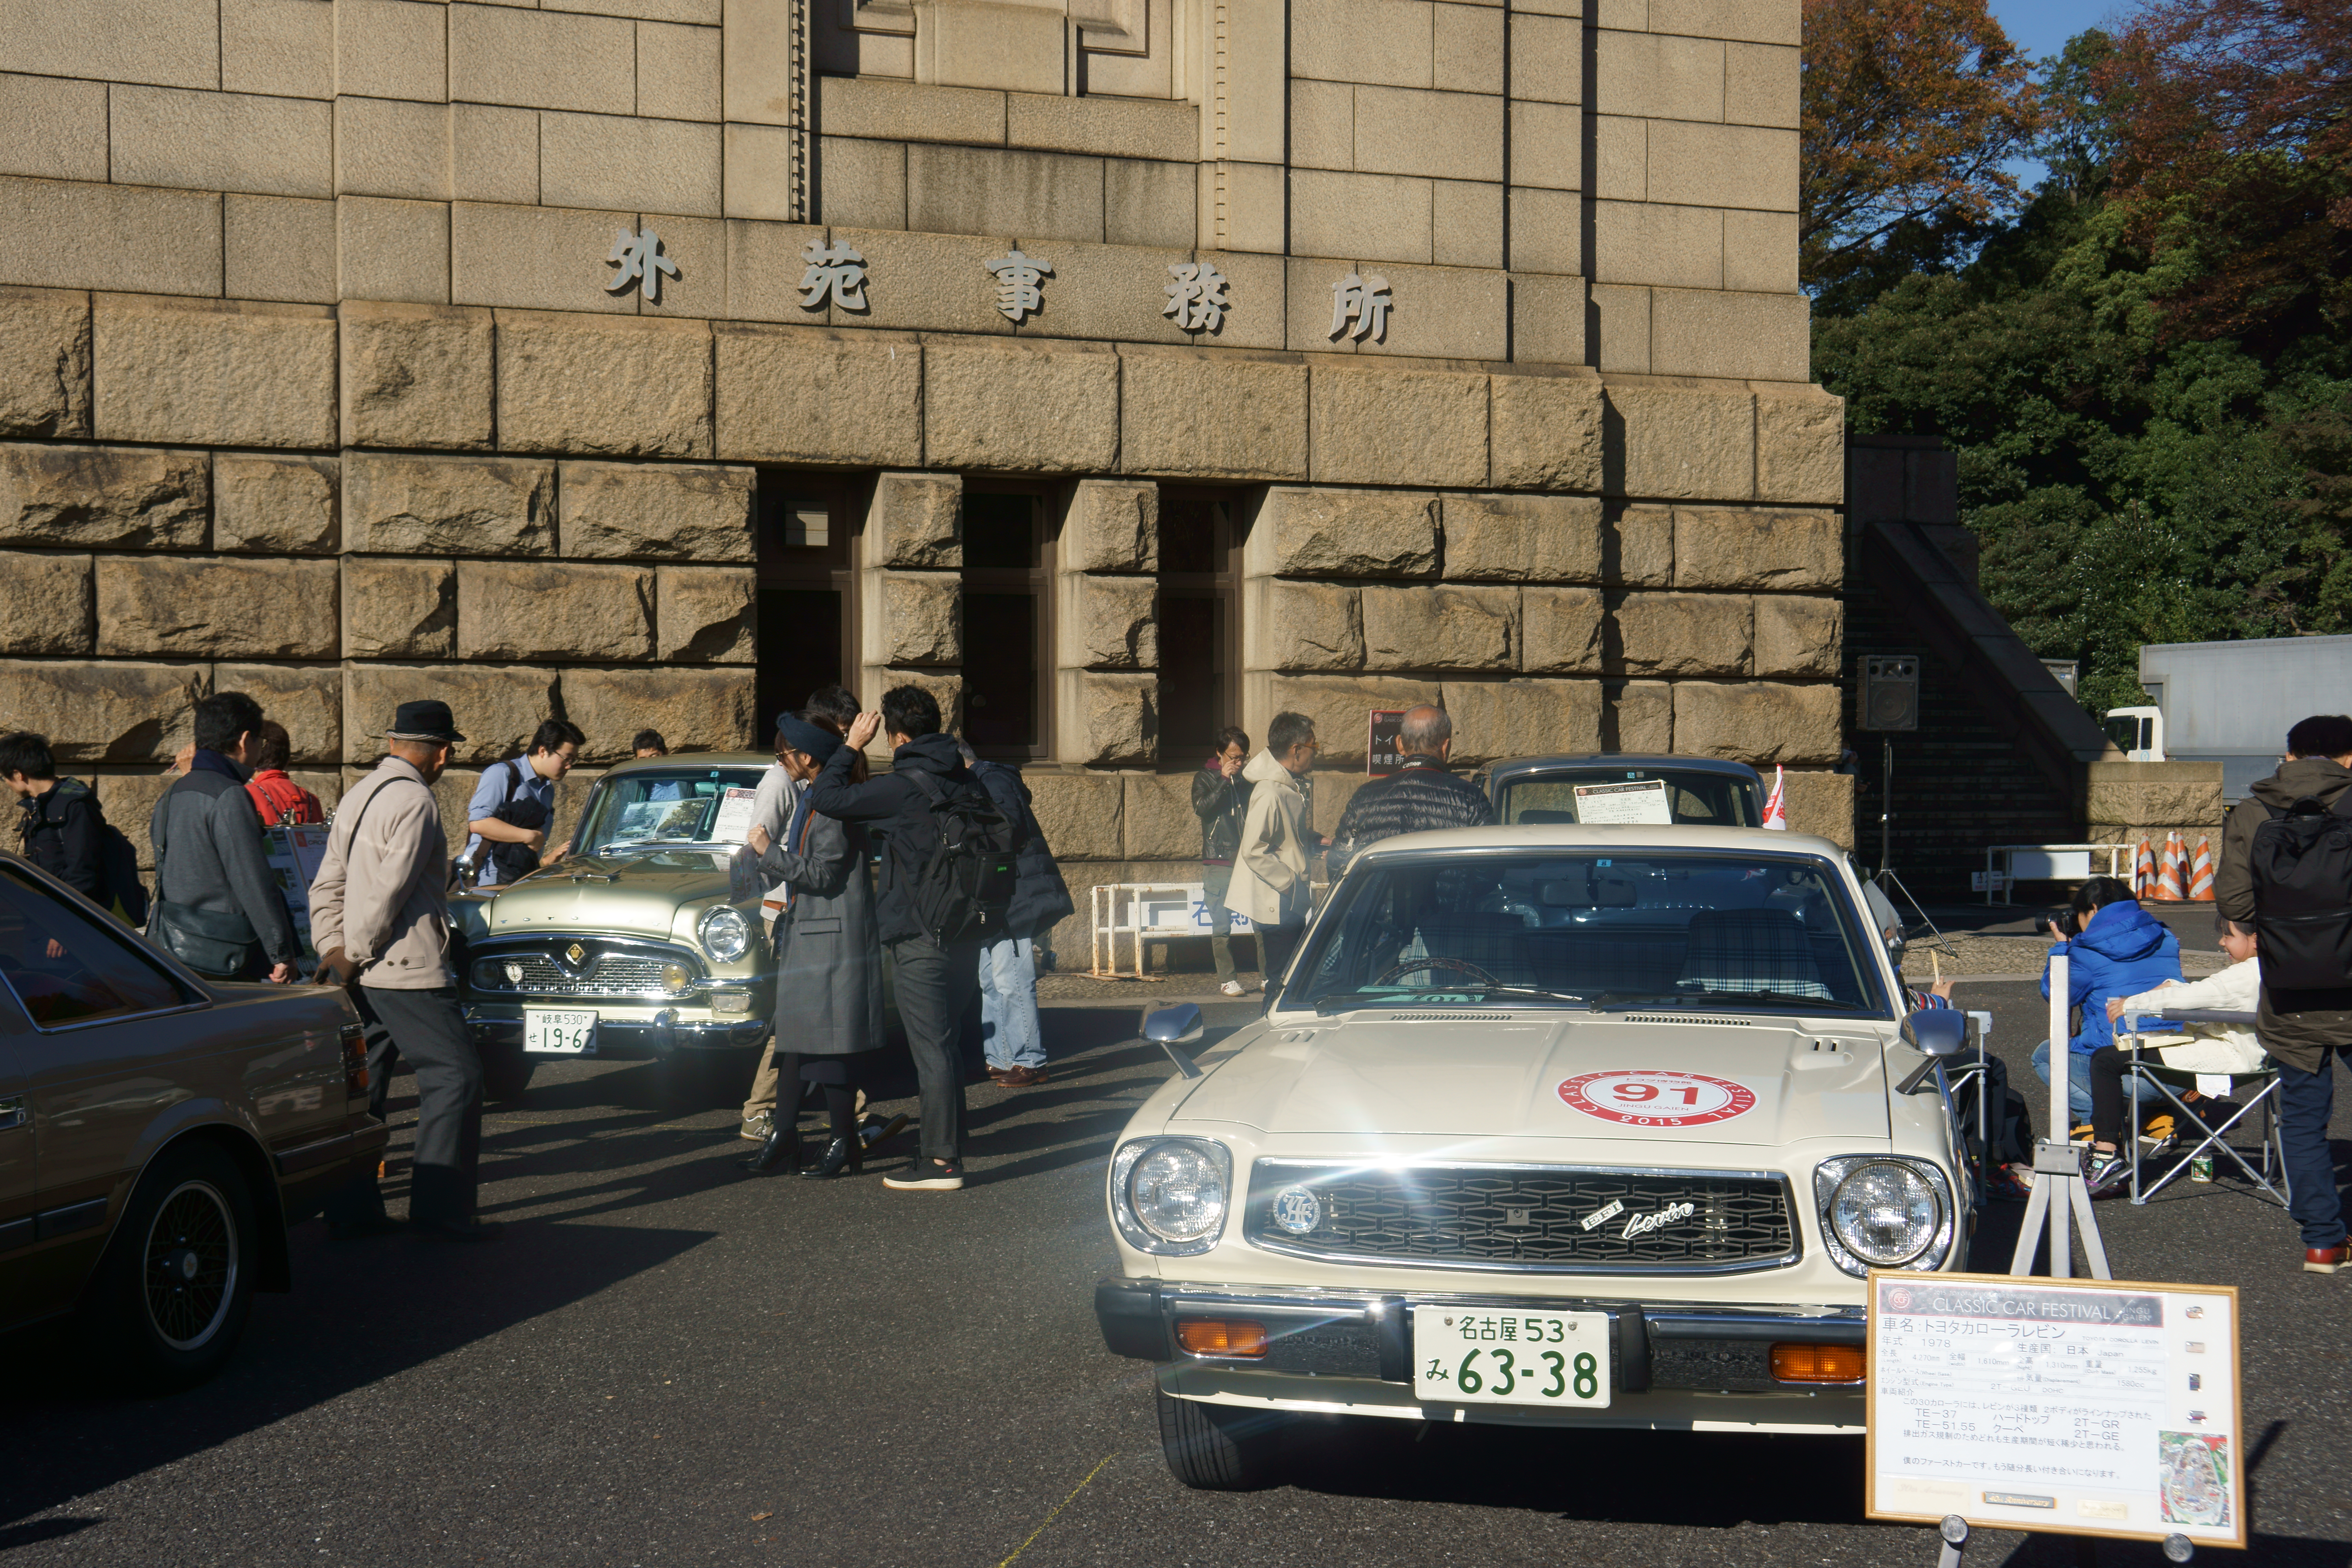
{"points": [[2042, 28]]}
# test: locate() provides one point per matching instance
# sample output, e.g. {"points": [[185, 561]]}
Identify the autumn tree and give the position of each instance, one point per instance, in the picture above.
{"points": [[1910, 110]]}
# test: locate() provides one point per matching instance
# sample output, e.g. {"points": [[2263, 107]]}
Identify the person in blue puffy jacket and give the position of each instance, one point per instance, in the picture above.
{"points": [[2114, 948]]}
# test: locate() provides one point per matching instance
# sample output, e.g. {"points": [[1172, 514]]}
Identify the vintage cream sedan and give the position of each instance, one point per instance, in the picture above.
{"points": [[1547, 1125]]}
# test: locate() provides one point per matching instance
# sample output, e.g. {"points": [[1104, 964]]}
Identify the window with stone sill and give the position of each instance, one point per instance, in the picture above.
{"points": [[1007, 636], [807, 606], [1200, 632]]}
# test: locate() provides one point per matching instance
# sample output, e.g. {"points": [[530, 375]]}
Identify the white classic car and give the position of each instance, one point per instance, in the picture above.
{"points": [[1547, 1125]]}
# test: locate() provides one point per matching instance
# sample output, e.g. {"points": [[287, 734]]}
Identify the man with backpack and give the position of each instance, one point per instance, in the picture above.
{"points": [[1011, 1035], [64, 832], [218, 909], [514, 805], [2286, 871], [947, 883]]}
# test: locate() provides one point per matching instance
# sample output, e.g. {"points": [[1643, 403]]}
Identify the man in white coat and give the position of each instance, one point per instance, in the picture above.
{"points": [[1270, 882]]}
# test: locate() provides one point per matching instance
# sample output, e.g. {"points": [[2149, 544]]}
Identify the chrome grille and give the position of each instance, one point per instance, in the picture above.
{"points": [[1529, 1217], [600, 974]]}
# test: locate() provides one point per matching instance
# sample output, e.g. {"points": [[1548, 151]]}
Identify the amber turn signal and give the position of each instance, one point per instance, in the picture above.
{"points": [[1817, 1364], [1221, 1336]]}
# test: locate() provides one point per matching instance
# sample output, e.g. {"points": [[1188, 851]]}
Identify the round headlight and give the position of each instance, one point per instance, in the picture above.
{"points": [[1178, 1193], [676, 977], [1884, 1213], [486, 972], [726, 936]]}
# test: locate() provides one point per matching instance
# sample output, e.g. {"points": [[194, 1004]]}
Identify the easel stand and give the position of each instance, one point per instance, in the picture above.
{"points": [[2060, 1197]]}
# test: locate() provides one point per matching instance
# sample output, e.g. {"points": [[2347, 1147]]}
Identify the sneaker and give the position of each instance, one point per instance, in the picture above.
{"points": [[756, 1127], [926, 1175], [2103, 1174], [1233, 988], [2322, 1259], [2081, 1134], [2159, 1130]]}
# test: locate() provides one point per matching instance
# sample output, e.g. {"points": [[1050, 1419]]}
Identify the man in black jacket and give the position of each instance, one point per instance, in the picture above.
{"points": [[62, 828], [1221, 800], [1420, 796], [213, 883], [934, 983], [1009, 1032]]}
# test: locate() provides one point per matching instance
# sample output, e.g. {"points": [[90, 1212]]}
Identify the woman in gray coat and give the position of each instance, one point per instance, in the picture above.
{"points": [[829, 961]]}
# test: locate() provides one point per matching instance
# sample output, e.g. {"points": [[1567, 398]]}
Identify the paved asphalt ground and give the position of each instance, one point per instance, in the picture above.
{"points": [[667, 1362]]}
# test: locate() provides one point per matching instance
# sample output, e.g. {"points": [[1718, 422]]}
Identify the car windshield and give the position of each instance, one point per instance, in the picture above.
{"points": [[686, 806], [1599, 928], [1659, 796]]}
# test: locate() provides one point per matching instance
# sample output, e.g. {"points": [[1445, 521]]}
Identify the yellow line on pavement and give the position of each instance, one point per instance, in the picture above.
{"points": [[1066, 1502]]}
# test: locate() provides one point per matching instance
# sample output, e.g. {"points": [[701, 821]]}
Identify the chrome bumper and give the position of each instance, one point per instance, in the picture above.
{"points": [[663, 1033]]}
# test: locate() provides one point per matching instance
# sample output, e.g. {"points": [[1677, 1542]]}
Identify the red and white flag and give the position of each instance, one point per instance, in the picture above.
{"points": [[1775, 804]]}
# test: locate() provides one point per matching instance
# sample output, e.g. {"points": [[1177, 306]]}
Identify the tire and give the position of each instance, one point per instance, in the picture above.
{"points": [[1219, 1447], [171, 1297], [506, 1073]]}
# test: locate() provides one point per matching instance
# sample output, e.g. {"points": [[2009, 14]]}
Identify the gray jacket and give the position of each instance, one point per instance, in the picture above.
{"points": [[381, 890], [829, 951], [210, 856]]}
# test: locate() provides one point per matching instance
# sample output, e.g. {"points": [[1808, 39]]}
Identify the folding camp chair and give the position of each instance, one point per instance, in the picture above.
{"points": [[2167, 1081]]}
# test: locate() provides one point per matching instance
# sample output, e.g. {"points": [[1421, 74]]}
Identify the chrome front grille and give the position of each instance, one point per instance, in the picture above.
{"points": [[597, 974], [1545, 1218]]}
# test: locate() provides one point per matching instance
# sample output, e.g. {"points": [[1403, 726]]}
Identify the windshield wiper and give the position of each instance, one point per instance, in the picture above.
{"points": [[1620, 1001], [1538, 990]]}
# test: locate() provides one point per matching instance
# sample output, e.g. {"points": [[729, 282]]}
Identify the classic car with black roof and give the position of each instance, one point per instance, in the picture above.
{"points": [[1605, 788]]}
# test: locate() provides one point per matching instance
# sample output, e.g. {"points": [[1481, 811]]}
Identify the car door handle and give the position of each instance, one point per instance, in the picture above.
{"points": [[14, 1112]]}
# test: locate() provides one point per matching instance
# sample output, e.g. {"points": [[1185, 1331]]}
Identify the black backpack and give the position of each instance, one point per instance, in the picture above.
{"points": [[2301, 860], [961, 888]]}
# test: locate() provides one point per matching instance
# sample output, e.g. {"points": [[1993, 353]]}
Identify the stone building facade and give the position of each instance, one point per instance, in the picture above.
{"points": [[1120, 368]]}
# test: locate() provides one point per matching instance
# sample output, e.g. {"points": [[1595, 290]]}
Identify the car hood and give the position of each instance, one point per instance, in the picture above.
{"points": [[1765, 1083], [640, 893]]}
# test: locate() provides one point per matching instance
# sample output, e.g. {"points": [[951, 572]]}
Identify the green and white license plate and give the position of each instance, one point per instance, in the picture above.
{"points": [[1484, 1355], [569, 1034]]}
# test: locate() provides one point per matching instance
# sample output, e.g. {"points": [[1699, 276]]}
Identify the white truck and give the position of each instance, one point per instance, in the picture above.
{"points": [[2232, 702]]}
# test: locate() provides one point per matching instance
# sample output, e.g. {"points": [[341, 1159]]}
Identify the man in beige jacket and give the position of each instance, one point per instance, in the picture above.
{"points": [[380, 911], [1270, 882]]}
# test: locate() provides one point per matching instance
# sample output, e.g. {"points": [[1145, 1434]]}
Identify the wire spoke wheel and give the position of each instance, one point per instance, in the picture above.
{"points": [[190, 1265]]}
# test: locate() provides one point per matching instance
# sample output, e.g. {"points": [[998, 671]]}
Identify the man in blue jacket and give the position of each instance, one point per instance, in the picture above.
{"points": [[2114, 948]]}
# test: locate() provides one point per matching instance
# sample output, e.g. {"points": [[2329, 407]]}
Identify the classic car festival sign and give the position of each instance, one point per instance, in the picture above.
{"points": [[2075, 1406]]}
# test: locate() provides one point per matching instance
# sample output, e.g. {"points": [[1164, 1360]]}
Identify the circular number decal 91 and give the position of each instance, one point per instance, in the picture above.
{"points": [[1640, 1097]]}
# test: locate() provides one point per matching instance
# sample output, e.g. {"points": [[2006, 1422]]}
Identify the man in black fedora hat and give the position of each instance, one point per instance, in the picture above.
{"points": [[380, 915]]}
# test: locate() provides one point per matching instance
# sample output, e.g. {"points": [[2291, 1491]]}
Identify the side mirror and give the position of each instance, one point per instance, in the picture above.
{"points": [[1172, 1026], [1939, 1033]]}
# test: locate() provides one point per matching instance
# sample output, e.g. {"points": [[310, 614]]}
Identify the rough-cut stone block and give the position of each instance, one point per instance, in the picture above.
{"points": [[399, 607], [1672, 443], [1522, 539], [1108, 623], [1159, 824], [1441, 628], [1681, 634], [535, 610], [802, 394], [2119, 804], [1520, 718], [1108, 720], [1560, 631], [1546, 432], [1340, 707], [126, 496], [1112, 526], [1080, 813], [275, 506], [1021, 406], [1398, 427], [497, 707], [1344, 533], [1758, 722], [48, 605], [1197, 416], [705, 614], [1823, 805], [431, 506], [1717, 547], [633, 385], [183, 607], [227, 372], [1798, 635], [1302, 625], [415, 375], [1800, 447], [1640, 721], [682, 511], [1638, 548], [915, 522], [44, 363], [915, 618], [306, 699], [104, 712], [698, 710]]}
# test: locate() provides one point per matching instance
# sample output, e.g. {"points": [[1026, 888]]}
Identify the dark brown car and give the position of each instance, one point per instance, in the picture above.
{"points": [[158, 1134]]}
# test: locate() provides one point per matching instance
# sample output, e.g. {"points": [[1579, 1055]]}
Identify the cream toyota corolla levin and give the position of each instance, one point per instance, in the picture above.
{"points": [[1556, 1126]]}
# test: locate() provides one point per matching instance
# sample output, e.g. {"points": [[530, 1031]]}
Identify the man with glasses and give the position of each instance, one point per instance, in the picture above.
{"points": [[1270, 882]]}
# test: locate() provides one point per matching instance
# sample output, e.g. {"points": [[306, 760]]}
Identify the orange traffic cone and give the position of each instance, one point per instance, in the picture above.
{"points": [[2200, 873], [2142, 875], [2172, 872]]}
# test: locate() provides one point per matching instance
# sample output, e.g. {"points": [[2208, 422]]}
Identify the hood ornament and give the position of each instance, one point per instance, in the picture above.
{"points": [[575, 954]]}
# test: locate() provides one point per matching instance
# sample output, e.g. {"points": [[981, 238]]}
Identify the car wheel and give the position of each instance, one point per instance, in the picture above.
{"points": [[505, 1072], [169, 1298], [1219, 1447]]}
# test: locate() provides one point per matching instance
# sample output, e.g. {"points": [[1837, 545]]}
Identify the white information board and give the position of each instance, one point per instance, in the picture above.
{"points": [[1598, 805], [2079, 1406]]}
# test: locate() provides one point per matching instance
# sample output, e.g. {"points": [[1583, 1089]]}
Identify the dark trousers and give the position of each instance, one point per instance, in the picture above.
{"points": [[2306, 1102], [427, 1028], [1276, 944], [2106, 1072], [935, 984]]}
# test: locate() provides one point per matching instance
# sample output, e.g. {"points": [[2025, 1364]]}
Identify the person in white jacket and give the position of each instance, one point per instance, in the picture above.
{"points": [[1270, 883], [2197, 1047]]}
